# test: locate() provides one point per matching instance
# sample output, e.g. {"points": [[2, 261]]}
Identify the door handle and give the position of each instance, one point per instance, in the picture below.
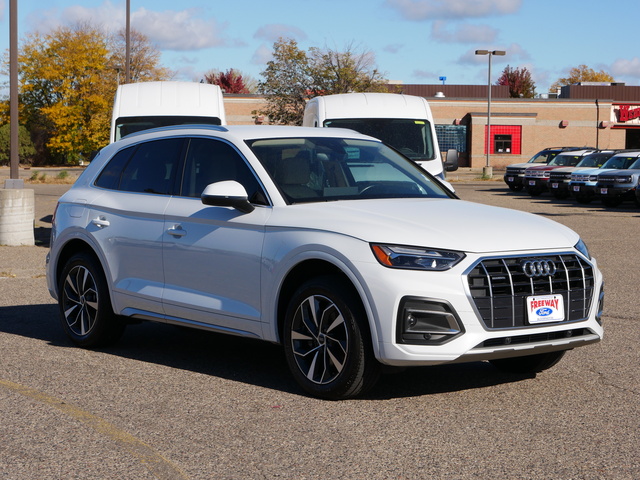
{"points": [[177, 231], [100, 222]]}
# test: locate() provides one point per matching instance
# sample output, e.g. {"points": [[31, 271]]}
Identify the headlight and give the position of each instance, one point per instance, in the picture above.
{"points": [[415, 258], [582, 248]]}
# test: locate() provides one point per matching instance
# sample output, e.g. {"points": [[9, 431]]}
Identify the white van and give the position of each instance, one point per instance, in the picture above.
{"points": [[140, 106], [404, 122]]}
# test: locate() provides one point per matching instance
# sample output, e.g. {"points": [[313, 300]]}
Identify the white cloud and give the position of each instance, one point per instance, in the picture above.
{"points": [[274, 31], [437, 9], [262, 55], [393, 48], [462, 33], [425, 74], [626, 68], [178, 30]]}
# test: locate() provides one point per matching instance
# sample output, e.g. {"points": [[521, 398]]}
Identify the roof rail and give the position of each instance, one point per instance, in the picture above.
{"points": [[202, 126]]}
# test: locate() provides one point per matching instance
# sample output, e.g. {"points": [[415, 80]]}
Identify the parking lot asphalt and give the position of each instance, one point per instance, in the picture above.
{"points": [[171, 403]]}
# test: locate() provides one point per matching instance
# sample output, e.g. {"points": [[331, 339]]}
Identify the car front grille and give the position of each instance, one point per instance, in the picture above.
{"points": [[560, 176], [499, 288], [515, 171], [579, 178]]}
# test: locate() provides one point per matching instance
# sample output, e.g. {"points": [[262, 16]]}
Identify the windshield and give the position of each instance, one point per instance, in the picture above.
{"points": [[595, 160], [317, 169], [128, 125], [619, 162], [565, 160], [635, 165], [543, 157], [412, 138]]}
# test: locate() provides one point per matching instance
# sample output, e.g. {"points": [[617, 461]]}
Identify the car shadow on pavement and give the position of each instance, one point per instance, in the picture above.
{"points": [[239, 359]]}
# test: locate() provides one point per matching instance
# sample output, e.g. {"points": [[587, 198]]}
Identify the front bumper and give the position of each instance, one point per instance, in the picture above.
{"points": [[479, 338]]}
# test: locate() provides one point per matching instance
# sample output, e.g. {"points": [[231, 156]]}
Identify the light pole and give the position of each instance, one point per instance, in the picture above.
{"points": [[487, 171]]}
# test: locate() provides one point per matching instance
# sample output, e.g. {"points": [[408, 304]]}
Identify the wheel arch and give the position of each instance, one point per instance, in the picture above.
{"points": [[316, 267], [72, 247]]}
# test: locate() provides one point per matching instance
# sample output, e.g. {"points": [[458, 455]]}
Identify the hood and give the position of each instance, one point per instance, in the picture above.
{"points": [[436, 223]]}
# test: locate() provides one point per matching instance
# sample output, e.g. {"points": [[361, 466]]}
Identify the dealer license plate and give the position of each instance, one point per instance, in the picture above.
{"points": [[604, 191], [554, 185], [545, 309], [576, 188], [509, 179], [532, 183]]}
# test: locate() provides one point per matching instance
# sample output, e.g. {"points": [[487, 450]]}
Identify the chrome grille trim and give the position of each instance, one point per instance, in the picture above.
{"points": [[499, 289]]}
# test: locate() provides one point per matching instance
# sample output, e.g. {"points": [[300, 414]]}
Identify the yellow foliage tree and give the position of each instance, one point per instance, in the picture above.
{"points": [[64, 92], [581, 73]]}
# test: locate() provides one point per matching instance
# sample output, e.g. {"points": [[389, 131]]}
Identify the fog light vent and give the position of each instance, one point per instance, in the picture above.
{"points": [[423, 321]]}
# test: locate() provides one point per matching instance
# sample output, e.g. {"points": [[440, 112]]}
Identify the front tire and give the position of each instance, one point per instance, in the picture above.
{"points": [[529, 364], [85, 307], [327, 341]]}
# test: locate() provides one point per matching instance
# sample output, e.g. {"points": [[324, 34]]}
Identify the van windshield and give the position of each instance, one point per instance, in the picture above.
{"points": [[127, 125], [412, 138]]}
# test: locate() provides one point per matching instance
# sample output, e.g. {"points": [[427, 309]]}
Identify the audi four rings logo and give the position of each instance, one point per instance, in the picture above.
{"points": [[539, 268]]}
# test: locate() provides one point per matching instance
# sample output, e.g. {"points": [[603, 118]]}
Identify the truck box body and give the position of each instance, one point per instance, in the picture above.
{"points": [[140, 106]]}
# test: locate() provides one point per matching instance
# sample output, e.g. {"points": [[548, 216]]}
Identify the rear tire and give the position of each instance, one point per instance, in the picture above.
{"points": [[327, 342], [529, 364], [84, 304]]}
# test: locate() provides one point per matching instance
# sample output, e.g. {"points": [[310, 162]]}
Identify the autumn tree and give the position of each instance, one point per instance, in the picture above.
{"points": [[343, 72], [294, 76], [63, 91], [230, 81], [68, 79], [519, 82], [581, 73], [144, 58]]}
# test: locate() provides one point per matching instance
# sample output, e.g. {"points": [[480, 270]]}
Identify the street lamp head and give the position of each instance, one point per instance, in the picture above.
{"points": [[491, 52]]}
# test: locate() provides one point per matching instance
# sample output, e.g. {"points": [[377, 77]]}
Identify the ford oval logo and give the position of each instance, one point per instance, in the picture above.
{"points": [[544, 312]]}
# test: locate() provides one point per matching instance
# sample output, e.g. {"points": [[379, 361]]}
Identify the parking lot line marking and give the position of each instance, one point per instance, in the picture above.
{"points": [[159, 466]]}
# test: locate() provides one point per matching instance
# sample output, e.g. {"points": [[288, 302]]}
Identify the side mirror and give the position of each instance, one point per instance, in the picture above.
{"points": [[227, 194], [451, 162]]}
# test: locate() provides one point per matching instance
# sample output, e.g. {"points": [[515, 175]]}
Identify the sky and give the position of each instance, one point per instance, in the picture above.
{"points": [[414, 41]]}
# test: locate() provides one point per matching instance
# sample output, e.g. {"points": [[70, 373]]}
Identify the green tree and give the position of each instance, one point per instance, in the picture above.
{"points": [[294, 76], [581, 73], [287, 83], [519, 81], [26, 149]]}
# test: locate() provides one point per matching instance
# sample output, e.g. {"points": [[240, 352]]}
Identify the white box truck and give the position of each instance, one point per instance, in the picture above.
{"points": [[404, 122], [144, 105]]}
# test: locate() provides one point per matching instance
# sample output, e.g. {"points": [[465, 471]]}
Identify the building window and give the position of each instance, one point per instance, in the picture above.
{"points": [[502, 143], [452, 137], [505, 139]]}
